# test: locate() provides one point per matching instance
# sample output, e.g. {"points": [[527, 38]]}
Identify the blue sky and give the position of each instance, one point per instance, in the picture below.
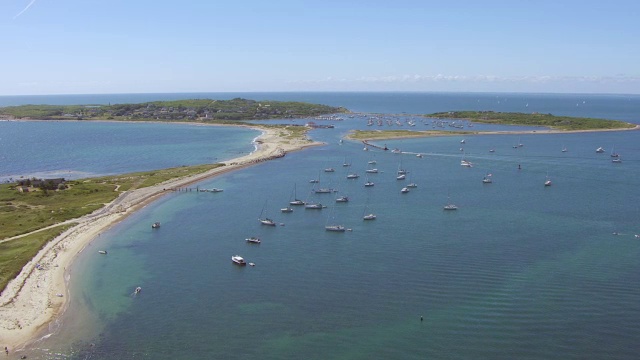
{"points": [[132, 46]]}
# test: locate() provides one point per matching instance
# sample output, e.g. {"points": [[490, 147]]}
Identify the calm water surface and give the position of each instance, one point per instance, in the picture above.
{"points": [[520, 270]]}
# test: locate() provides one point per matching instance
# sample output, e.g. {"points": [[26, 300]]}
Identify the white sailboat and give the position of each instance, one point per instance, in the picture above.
{"points": [[294, 199], [367, 215], [450, 206], [547, 182], [264, 219], [333, 227]]}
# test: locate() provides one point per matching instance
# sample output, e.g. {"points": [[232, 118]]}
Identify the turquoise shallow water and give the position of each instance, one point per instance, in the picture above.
{"points": [[518, 271]]}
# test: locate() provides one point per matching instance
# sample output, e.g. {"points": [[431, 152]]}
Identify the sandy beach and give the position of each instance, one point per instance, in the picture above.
{"points": [[38, 295]]}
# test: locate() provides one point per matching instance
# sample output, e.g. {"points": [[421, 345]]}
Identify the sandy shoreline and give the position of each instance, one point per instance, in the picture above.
{"points": [[38, 295]]}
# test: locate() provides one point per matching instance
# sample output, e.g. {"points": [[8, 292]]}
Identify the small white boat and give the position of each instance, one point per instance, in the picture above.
{"points": [[155, 225], [353, 176], [267, 221], [103, 252], [238, 260], [317, 206], [396, 151], [253, 239], [466, 163], [492, 150], [338, 228], [412, 185], [323, 191], [462, 141], [487, 179], [401, 177], [450, 207], [404, 190], [600, 150], [372, 171], [369, 183], [329, 170], [547, 182], [419, 155], [217, 190], [342, 199], [369, 217], [372, 162], [137, 290], [616, 160], [286, 209], [314, 181]]}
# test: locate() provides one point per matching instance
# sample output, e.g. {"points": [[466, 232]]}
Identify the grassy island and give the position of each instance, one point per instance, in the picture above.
{"points": [[198, 110], [534, 119]]}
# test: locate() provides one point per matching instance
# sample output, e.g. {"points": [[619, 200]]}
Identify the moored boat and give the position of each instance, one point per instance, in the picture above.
{"points": [[155, 225], [238, 260], [253, 239], [338, 228]]}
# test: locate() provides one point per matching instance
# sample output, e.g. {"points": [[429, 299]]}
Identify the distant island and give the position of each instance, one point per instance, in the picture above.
{"points": [[534, 119], [198, 110]]}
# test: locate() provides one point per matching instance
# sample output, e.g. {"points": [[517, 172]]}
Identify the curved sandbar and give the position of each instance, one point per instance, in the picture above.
{"points": [[36, 297]]}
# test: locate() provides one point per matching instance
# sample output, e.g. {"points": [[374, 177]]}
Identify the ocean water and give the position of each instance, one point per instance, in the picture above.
{"points": [[520, 270], [87, 149]]}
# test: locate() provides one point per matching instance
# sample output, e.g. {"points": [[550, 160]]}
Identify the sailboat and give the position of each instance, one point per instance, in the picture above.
{"points": [[614, 154], [368, 182], [369, 216], [449, 205], [265, 220], [548, 181], [294, 200], [564, 148], [336, 227], [345, 163]]}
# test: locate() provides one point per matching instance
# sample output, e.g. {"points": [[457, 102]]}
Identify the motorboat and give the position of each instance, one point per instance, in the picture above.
{"points": [[286, 209], [323, 191], [296, 202], [369, 183], [342, 199], [616, 160], [372, 171], [155, 225], [253, 239], [217, 190], [313, 206], [103, 252], [337, 228], [450, 207], [369, 217], [329, 170], [401, 177], [137, 290], [412, 185], [238, 260], [404, 190], [600, 150], [353, 176]]}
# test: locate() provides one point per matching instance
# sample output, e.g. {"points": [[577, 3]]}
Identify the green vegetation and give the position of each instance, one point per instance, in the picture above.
{"points": [[21, 213], [201, 110], [24, 212], [14, 255], [534, 119]]}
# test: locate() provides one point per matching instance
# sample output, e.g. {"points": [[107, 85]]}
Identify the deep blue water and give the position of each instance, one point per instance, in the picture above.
{"points": [[519, 271]]}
